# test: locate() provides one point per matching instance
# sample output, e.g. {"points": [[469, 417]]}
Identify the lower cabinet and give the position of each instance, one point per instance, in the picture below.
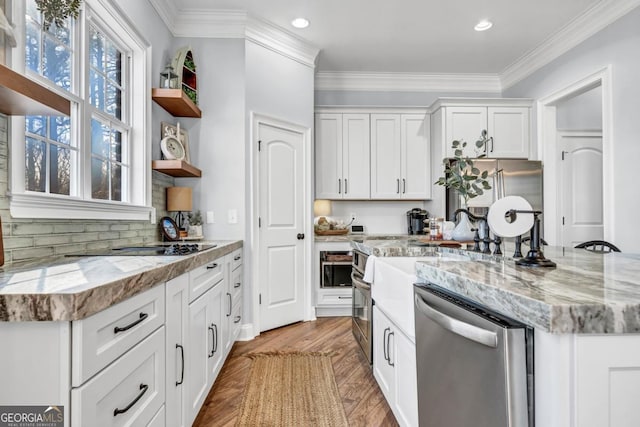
{"points": [[394, 367]]}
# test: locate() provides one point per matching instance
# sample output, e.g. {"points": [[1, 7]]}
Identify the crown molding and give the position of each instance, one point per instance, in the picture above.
{"points": [[407, 82], [578, 30], [235, 24]]}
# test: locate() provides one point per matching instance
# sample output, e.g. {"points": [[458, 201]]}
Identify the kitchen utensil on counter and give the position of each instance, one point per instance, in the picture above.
{"points": [[415, 221]]}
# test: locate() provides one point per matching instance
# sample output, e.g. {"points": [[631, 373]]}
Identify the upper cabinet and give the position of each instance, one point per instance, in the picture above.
{"points": [[400, 167], [507, 122], [342, 156], [20, 96]]}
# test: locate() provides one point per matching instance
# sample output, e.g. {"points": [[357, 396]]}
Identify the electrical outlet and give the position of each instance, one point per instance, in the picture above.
{"points": [[353, 216], [232, 216], [210, 218]]}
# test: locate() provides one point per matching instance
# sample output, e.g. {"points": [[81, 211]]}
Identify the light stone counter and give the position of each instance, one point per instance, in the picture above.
{"points": [[73, 288], [585, 293]]}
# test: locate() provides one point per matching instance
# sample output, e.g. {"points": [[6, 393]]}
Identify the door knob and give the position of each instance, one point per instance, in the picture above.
{"points": [[300, 236]]}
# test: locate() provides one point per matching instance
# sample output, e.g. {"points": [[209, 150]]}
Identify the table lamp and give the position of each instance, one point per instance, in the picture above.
{"points": [[179, 200], [322, 208]]}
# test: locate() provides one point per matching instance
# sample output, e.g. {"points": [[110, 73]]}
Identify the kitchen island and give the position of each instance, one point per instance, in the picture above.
{"points": [[585, 313]]}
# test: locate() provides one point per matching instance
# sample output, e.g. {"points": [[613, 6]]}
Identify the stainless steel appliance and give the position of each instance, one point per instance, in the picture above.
{"points": [[475, 366], [508, 177], [415, 220], [362, 306], [335, 268]]}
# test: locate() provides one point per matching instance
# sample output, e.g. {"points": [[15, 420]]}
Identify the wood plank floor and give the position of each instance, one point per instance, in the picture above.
{"points": [[363, 401]]}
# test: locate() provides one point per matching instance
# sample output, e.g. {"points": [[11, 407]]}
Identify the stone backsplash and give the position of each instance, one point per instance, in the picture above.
{"points": [[26, 239]]}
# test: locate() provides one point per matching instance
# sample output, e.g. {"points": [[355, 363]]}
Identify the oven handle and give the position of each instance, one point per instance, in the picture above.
{"points": [[358, 283], [471, 332]]}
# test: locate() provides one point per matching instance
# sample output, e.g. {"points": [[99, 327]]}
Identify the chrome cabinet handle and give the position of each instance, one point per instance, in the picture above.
{"points": [[458, 327], [344, 297], [339, 186], [212, 266], [237, 319], [491, 144], [237, 284], [389, 348], [398, 186], [384, 344], [404, 186], [213, 340], [237, 257], [130, 325], [229, 313], [345, 186], [215, 348], [182, 374], [144, 388]]}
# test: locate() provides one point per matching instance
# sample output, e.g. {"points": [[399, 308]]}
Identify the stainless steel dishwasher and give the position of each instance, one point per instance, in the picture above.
{"points": [[475, 366]]}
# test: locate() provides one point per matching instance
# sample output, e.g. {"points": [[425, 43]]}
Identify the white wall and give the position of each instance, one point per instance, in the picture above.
{"points": [[378, 217], [617, 45], [582, 112]]}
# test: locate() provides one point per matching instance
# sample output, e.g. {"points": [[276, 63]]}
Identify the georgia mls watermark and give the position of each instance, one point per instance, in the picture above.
{"points": [[31, 416]]}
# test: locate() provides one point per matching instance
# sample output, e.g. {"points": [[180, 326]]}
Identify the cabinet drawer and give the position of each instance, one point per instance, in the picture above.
{"points": [[335, 299], [236, 321], [100, 339], [158, 420], [236, 284], [236, 259], [128, 392], [204, 277]]}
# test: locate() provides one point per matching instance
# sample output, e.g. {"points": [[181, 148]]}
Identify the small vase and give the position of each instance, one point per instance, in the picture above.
{"points": [[463, 232]]}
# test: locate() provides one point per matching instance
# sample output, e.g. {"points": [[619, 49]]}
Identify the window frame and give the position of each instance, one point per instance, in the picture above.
{"points": [[110, 19]]}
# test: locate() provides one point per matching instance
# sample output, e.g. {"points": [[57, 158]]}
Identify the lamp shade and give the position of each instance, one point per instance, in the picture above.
{"points": [[179, 199], [322, 208]]}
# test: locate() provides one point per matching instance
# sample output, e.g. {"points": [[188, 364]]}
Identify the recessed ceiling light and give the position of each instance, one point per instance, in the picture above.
{"points": [[300, 23], [483, 25]]}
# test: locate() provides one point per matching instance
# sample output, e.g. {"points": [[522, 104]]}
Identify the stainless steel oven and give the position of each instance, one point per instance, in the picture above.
{"points": [[362, 308]]}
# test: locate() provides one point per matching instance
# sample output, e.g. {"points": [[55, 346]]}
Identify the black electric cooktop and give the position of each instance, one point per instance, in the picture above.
{"points": [[154, 250]]}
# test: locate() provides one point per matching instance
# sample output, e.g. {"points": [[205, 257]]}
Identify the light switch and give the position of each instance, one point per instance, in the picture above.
{"points": [[210, 218], [232, 216]]}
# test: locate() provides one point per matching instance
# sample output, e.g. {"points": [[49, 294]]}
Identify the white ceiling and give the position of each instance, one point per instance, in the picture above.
{"points": [[413, 36]]}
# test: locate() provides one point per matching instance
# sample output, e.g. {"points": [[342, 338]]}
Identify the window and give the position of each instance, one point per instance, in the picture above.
{"points": [[93, 164]]}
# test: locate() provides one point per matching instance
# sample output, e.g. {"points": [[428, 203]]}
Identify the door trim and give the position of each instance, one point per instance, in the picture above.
{"points": [[548, 146], [256, 119]]}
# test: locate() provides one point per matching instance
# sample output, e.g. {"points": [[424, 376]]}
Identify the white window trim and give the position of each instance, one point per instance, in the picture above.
{"points": [[26, 204]]}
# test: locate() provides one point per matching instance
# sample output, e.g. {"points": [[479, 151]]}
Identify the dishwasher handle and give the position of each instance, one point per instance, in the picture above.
{"points": [[358, 283], [470, 332]]}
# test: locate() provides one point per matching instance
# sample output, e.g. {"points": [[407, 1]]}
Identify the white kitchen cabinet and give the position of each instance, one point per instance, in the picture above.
{"points": [[400, 167], [177, 298], [204, 358], [342, 156], [394, 368], [507, 122]]}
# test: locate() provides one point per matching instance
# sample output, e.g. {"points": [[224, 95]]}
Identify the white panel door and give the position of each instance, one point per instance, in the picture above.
{"points": [[464, 124], [508, 129], [328, 144], [281, 202], [415, 157], [386, 180], [581, 200], [383, 356], [355, 156], [217, 329]]}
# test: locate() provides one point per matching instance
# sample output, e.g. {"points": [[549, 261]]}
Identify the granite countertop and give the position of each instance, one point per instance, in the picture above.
{"points": [[585, 293], [361, 237], [72, 288]]}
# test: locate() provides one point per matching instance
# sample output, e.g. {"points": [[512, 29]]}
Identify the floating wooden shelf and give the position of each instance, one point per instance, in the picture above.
{"points": [[177, 168], [20, 96], [176, 102]]}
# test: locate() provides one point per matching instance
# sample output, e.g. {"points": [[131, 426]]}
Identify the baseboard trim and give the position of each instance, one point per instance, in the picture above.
{"points": [[246, 332], [333, 311]]}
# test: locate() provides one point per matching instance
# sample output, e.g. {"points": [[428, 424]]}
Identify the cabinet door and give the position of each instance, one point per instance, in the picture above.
{"points": [[217, 328], [386, 182], [383, 370], [509, 129], [328, 142], [200, 345], [415, 159], [464, 124], [406, 403], [355, 156], [177, 299]]}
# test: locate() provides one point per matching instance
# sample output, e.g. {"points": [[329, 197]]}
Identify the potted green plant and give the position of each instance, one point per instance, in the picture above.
{"points": [[195, 224], [57, 11], [465, 179]]}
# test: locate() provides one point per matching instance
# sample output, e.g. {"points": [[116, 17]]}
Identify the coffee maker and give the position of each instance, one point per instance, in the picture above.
{"points": [[415, 220]]}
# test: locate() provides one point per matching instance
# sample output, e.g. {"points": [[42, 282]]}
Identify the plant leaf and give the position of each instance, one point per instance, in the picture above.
{"points": [[484, 174], [475, 171]]}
